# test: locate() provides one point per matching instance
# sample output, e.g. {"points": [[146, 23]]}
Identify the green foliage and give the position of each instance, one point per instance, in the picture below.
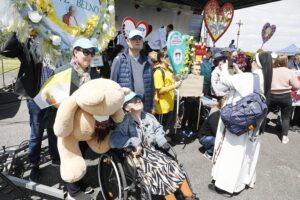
{"points": [[3, 36]]}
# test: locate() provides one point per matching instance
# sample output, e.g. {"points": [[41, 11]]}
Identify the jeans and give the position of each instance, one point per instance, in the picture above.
{"points": [[284, 102], [208, 142], [36, 135]]}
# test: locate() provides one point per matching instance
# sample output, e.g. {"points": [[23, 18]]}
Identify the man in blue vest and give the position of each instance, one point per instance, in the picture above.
{"points": [[133, 70]]}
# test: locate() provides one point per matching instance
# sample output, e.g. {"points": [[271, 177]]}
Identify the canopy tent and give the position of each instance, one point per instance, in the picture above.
{"points": [[290, 50]]}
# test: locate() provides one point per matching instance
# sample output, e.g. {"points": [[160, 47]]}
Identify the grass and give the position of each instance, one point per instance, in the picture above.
{"points": [[9, 65]]}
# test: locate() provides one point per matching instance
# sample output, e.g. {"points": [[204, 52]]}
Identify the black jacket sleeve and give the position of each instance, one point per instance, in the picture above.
{"points": [[10, 48]]}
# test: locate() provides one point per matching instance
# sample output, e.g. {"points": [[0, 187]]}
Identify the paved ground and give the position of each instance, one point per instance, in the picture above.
{"points": [[278, 169]]}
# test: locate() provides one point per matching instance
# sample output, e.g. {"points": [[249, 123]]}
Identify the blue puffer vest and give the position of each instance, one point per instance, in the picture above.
{"points": [[125, 79]]}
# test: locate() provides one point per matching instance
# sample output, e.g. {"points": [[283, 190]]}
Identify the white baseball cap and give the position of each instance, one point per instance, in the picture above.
{"points": [[135, 32], [85, 44]]}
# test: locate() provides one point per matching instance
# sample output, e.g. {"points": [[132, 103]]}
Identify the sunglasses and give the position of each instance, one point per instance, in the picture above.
{"points": [[87, 52], [252, 60]]}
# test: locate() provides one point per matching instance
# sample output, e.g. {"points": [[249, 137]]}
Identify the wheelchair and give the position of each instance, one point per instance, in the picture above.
{"points": [[118, 180]]}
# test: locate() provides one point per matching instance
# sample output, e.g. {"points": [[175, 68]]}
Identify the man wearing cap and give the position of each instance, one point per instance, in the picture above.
{"points": [[83, 51], [133, 70]]}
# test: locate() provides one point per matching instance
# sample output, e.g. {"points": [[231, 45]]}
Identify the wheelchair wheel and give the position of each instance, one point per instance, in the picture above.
{"points": [[140, 192], [111, 177]]}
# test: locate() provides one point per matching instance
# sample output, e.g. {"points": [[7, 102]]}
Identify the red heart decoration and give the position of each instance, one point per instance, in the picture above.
{"points": [[129, 24], [216, 19]]}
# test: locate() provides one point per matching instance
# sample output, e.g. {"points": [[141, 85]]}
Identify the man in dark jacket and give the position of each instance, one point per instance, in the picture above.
{"points": [[134, 71], [33, 72]]}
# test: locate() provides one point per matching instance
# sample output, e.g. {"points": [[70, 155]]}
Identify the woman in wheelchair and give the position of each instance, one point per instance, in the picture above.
{"points": [[141, 131]]}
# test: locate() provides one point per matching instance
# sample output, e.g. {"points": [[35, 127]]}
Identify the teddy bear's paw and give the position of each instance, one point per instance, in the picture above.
{"points": [[72, 170]]}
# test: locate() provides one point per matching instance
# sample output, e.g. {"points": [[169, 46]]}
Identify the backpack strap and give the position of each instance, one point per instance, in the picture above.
{"points": [[256, 83], [162, 73], [163, 77]]}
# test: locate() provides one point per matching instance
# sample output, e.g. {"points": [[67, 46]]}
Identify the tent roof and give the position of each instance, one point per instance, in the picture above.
{"points": [[292, 49], [238, 4]]}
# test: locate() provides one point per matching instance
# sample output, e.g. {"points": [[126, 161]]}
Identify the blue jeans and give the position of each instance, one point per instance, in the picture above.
{"points": [[208, 142], [36, 135]]}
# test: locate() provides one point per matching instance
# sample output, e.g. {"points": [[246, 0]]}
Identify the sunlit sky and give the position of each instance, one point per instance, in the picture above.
{"points": [[284, 14]]}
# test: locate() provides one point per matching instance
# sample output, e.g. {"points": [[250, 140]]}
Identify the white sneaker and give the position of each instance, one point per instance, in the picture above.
{"points": [[285, 139]]}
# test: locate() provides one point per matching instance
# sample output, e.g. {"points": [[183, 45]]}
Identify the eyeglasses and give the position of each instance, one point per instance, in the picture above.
{"points": [[87, 52], [252, 60]]}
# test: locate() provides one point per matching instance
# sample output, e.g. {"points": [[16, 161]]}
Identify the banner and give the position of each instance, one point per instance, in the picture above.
{"points": [[176, 47], [55, 89], [57, 24]]}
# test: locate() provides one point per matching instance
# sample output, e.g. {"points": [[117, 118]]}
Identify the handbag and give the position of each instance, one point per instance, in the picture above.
{"points": [[247, 113]]}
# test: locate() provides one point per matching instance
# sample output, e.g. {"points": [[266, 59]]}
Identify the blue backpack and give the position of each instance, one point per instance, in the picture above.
{"points": [[247, 113]]}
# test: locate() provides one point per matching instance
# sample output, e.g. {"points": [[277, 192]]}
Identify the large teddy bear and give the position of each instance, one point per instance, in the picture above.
{"points": [[75, 121]]}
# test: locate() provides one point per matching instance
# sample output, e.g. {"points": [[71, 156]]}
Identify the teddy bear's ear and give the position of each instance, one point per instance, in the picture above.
{"points": [[126, 90], [64, 120]]}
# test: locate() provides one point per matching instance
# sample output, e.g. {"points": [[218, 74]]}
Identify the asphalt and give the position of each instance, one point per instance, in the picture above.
{"points": [[278, 168]]}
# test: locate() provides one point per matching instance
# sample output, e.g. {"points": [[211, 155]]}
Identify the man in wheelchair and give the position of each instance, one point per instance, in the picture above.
{"points": [[141, 131]]}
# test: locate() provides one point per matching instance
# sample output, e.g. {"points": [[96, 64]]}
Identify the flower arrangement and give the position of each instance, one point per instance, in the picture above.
{"points": [[55, 37], [189, 56]]}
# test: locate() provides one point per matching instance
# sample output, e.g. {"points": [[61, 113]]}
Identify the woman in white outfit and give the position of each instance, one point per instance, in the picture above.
{"points": [[235, 157]]}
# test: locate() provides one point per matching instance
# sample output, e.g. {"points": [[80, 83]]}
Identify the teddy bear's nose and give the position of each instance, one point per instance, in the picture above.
{"points": [[101, 118]]}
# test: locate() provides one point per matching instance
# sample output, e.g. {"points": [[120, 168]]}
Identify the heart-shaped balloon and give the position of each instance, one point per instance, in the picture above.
{"points": [[176, 47], [267, 32], [129, 24], [216, 19]]}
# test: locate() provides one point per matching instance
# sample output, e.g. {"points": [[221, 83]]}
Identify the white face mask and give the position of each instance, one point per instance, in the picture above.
{"points": [[101, 118]]}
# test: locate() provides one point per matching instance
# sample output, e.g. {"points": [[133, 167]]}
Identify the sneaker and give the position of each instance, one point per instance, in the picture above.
{"points": [[34, 173], [55, 163], [294, 128], [207, 156], [285, 139], [187, 133], [89, 190], [80, 196]]}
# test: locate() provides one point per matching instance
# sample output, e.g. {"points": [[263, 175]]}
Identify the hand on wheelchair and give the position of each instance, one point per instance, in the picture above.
{"points": [[134, 151], [166, 146]]}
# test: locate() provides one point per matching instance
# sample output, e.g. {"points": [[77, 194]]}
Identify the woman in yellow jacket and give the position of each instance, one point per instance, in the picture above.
{"points": [[164, 84]]}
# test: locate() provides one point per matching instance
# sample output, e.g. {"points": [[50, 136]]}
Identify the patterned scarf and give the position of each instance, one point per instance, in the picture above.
{"points": [[84, 75]]}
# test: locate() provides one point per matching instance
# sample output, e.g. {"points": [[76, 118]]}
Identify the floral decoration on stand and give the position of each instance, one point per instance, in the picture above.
{"points": [[189, 57], [57, 24]]}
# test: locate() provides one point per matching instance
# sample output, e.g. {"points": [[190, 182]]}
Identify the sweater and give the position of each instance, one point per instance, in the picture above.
{"points": [[284, 80]]}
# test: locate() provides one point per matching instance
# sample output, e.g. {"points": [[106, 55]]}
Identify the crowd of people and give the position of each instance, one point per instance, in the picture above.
{"points": [[145, 69]]}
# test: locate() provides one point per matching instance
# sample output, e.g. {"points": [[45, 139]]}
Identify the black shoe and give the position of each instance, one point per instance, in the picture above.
{"points": [[214, 189], [34, 173], [55, 163], [80, 196]]}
